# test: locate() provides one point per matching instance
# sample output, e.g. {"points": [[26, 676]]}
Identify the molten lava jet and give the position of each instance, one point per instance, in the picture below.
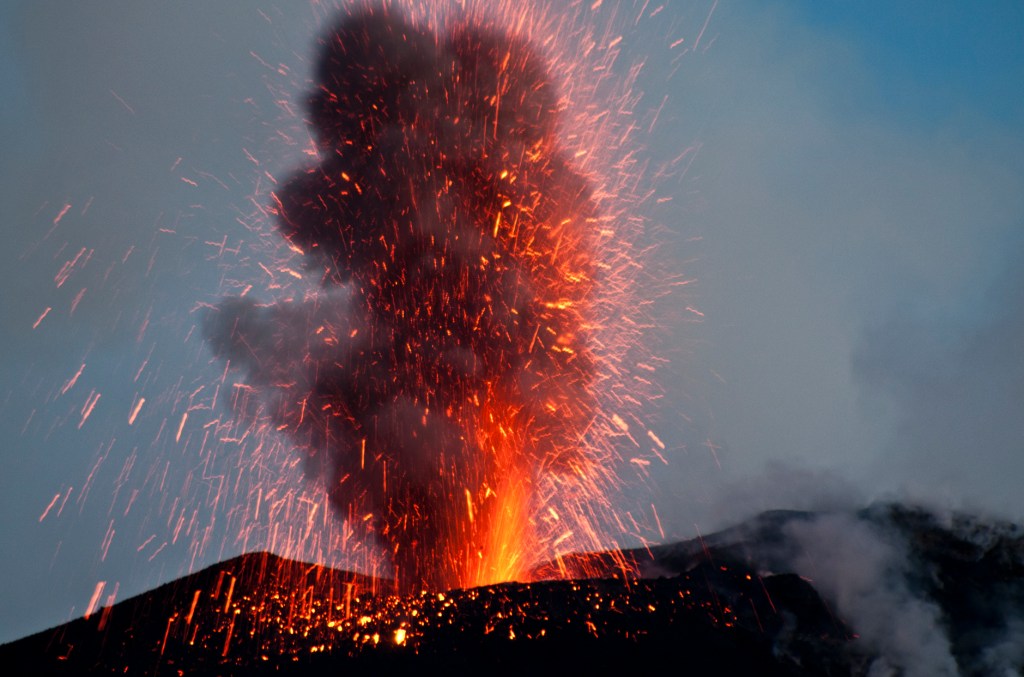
{"points": [[460, 372]]}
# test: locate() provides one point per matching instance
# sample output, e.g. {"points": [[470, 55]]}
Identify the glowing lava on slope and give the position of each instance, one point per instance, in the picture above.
{"points": [[452, 395]]}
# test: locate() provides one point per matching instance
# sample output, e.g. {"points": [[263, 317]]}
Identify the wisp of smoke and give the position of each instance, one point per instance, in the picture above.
{"points": [[458, 370]]}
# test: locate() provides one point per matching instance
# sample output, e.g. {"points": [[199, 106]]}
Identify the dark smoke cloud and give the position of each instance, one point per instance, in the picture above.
{"points": [[443, 205]]}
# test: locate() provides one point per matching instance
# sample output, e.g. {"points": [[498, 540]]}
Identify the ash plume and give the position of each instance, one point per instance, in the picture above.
{"points": [[457, 370]]}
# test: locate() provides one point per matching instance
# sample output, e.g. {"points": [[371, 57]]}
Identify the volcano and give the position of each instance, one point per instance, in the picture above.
{"points": [[759, 598]]}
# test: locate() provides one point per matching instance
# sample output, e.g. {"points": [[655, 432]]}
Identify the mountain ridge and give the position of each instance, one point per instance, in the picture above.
{"points": [[887, 588]]}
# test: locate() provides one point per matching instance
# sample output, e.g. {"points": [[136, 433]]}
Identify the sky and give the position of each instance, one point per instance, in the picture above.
{"points": [[841, 183]]}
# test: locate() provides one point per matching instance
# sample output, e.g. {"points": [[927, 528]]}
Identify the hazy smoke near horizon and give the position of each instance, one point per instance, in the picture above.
{"points": [[457, 368]]}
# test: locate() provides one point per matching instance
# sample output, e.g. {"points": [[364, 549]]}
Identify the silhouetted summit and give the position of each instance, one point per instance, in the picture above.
{"points": [[785, 593]]}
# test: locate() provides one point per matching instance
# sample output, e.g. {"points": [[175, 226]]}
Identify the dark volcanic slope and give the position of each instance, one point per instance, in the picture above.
{"points": [[223, 620], [708, 606], [244, 603]]}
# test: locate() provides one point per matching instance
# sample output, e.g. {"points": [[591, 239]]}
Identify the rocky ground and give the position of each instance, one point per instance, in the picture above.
{"points": [[886, 590]]}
